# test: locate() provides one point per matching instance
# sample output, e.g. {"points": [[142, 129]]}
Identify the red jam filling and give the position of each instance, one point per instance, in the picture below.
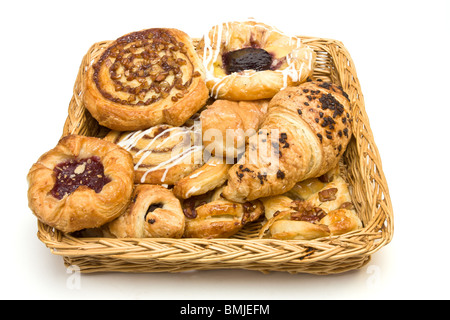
{"points": [[74, 173]]}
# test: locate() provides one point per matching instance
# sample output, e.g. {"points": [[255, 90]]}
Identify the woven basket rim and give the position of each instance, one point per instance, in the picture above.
{"points": [[321, 256]]}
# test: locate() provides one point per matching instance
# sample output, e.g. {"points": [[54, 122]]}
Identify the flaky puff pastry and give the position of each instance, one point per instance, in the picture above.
{"points": [[304, 134], [145, 78], [162, 154], [289, 61], [319, 212], [212, 216], [211, 175], [226, 125], [83, 182], [153, 213]]}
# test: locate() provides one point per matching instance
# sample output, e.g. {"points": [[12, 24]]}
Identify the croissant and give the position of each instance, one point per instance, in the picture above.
{"points": [[305, 132]]}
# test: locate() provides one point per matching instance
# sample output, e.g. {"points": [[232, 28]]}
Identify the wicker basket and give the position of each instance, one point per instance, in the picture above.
{"points": [[245, 251]]}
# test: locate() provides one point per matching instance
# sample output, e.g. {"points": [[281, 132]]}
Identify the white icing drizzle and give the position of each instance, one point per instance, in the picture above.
{"points": [[191, 191], [132, 139], [171, 162], [211, 54], [195, 175]]}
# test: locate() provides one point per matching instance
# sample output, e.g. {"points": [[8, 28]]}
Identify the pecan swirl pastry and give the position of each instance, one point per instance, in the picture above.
{"points": [[146, 78], [83, 182]]}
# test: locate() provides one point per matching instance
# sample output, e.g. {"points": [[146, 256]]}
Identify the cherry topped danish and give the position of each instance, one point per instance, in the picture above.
{"points": [[146, 78], [83, 182], [73, 173], [251, 60]]}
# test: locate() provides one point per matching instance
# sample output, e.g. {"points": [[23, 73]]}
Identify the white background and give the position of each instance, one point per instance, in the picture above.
{"points": [[401, 53]]}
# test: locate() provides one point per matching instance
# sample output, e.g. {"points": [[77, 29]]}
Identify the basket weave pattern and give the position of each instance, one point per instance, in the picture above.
{"points": [[245, 251]]}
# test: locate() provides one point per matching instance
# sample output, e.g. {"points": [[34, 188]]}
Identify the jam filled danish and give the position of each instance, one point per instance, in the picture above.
{"points": [[146, 78], [153, 213], [252, 61], [83, 182]]}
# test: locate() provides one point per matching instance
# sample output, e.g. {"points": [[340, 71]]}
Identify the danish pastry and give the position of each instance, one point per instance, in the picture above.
{"points": [[251, 61], [153, 213], [208, 177], [211, 216], [83, 182], [306, 129], [145, 78], [162, 154], [226, 125], [320, 212]]}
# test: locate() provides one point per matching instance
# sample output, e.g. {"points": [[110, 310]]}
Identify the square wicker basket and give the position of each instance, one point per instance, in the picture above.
{"points": [[328, 255]]}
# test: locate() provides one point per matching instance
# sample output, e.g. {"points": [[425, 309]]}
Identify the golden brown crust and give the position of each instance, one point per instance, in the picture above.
{"points": [[162, 154], [210, 176], [146, 78], [322, 211], [306, 131], [226, 125], [212, 216], [293, 62], [325, 108], [153, 213], [84, 207]]}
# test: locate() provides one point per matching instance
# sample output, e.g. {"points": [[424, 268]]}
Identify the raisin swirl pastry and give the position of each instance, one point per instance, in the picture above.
{"points": [[145, 78], [83, 182], [212, 216], [162, 154], [153, 213], [315, 209], [305, 133], [251, 60]]}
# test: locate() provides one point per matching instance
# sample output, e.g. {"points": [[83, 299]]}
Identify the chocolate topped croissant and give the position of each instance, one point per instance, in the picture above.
{"points": [[306, 131]]}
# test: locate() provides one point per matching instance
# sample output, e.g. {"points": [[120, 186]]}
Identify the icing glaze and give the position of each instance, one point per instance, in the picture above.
{"points": [[186, 147], [220, 34]]}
